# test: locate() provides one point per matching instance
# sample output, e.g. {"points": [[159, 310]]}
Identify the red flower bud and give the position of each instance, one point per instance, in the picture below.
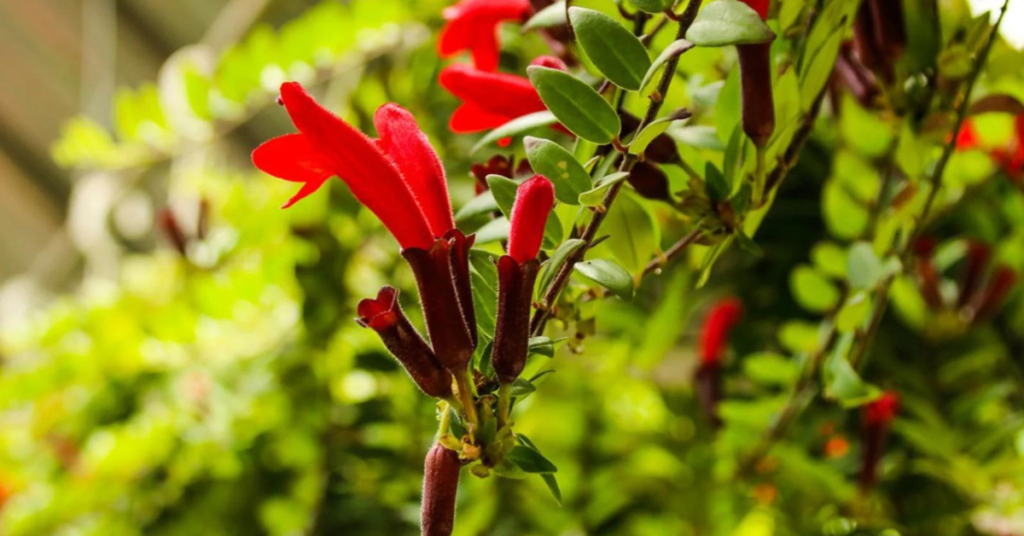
{"points": [[440, 487], [723, 316], [760, 6], [473, 25], [650, 181], [757, 102], [534, 201], [384, 315], [878, 417], [442, 276], [512, 323]]}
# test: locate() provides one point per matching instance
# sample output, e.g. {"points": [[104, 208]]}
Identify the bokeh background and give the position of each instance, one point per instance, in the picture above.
{"points": [[178, 357]]}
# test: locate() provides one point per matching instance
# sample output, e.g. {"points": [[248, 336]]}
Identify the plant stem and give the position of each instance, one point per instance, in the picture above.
{"points": [[759, 178], [504, 398], [468, 405], [561, 279]]}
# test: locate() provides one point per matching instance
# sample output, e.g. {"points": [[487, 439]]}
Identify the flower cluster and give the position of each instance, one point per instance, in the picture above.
{"points": [[399, 177]]}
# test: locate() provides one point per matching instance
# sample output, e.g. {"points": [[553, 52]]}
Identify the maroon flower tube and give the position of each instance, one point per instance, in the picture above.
{"points": [[442, 276], [517, 273], [440, 486], [384, 315], [992, 298], [927, 275], [758, 105], [978, 256], [714, 337], [877, 421]]}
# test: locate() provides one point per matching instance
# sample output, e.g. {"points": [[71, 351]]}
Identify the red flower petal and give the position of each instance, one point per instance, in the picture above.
{"points": [[534, 201], [410, 150], [715, 333], [373, 179], [470, 118], [473, 26], [967, 139], [291, 157], [500, 94], [882, 410], [760, 6], [550, 62]]}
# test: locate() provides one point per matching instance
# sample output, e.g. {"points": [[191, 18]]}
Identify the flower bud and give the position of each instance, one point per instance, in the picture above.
{"points": [[440, 486], [384, 315], [534, 201], [757, 103], [650, 181], [723, 316], [978, 256], [877, 421], [442, 277], [512, 324]]}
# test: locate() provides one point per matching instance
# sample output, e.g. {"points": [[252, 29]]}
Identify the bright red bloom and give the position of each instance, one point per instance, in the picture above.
{"points": [[489, 99], [399, 177], [883, 410], [760, 6], [723, 317], [534, 200], [1010, 158], [967, 139], [473, 25]]}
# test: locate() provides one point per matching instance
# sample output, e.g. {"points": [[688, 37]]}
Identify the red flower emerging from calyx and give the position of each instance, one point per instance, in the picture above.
{"points": [[517, 273], [878, 417], [882, 411], [714, 335], [491, 99], [473, 26], [398, 177], [1010, 158]]}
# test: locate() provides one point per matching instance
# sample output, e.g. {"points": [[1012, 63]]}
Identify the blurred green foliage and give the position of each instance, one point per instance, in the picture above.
{"points": [[225, 389]]}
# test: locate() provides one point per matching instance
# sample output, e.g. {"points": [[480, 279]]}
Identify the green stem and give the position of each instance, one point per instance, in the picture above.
{"points": [[760, 178], [468, 405], [504, 399]]}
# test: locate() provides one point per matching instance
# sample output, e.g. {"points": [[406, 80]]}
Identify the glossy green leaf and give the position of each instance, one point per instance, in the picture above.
{"points": [[549, 17], [609, 275], [649, 133], [481, 204], [613, 49], [515, 127], [503, 189], [579, 107], [728, 22], [558, 164], [530, 460], [812, 290], [594, 197], [652, 6], [633, 233]]}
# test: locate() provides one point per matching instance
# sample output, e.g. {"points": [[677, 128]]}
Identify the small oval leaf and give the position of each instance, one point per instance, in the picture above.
{"points": [[613, 49], [593, 198], [672, 51], [516, 126], [575, 104], [558, 164], [652, 6], [549, 17], [728, 22], [609, 275]]}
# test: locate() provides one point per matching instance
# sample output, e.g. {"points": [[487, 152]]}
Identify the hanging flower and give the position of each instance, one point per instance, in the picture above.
{"points": [[724, 315], [473, 26], [491, 99], [757, 104], [399, 177], [440, 488], [1009, 158], [517, 273], [877, 420]]}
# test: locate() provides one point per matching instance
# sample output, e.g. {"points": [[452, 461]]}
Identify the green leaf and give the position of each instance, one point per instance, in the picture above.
{"points": [[552, 231], [771, 369], [549, 17], [594, 197], [521, 388], [812, 290], [632, 232], [481, 204], [728, 22], [494, 231], [508, 469], [576, 105], [542, 345], [613, 49], [558, 164], [552, 484], [842, 383], [818, 70], [504, 191], [853, 313], [863, 268], [674, 50], [530, 460], [609, 275], [649, 133], [556, 261], [515, 127], [718, 188], [652, 6]]}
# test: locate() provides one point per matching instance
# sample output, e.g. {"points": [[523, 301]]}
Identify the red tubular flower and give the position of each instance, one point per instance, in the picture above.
{"points": [[877, 420], [967, 139], [992, 298], [326, 146], [757, 103], [880, 35], [440, 487], [473, 25], [517, 273], [489, 99], [927, 275], [852, 74], [384, 315], [714, 336], [977, 258]]}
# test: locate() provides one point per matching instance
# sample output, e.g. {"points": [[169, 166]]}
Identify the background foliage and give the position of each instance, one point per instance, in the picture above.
{"points": [[219, 385]]}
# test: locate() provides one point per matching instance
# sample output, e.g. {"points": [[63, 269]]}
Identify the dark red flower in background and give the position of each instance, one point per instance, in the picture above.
{"points": [[491, 99], [877, 420], [473, 26], [882, 411], [714, 337], [1010, 157], [399, 177]]}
